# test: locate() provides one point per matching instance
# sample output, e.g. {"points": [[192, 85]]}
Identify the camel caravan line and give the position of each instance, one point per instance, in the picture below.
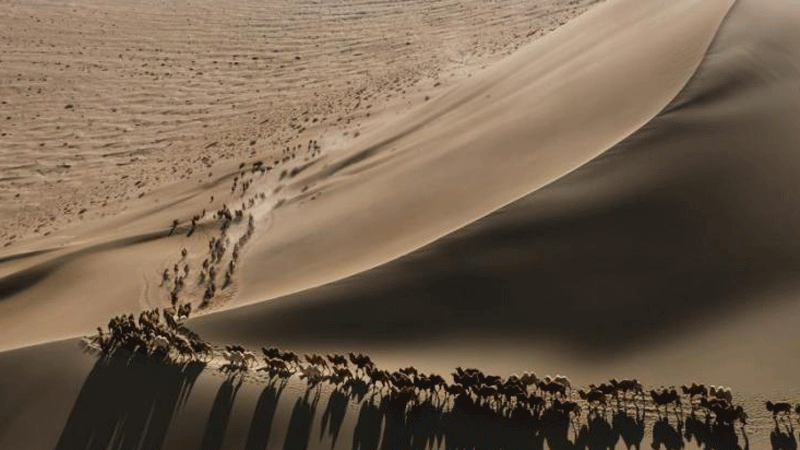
{"points": [[519, 395], [225, 247]]}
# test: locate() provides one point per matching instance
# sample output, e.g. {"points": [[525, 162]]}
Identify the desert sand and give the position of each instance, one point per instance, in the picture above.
{"points": [[599, 190]]}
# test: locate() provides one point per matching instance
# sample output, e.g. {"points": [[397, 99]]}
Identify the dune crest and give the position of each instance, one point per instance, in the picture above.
{"points": [[675, 252], [521, 124], [507, 131]]}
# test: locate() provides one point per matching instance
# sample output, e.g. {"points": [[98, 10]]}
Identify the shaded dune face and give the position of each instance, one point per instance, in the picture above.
{"points": [[687, 220], [407, 181]]}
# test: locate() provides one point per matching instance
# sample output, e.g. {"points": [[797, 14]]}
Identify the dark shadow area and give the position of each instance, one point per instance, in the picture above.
{"points": [[783, 440], [220, 414], [630, 427], [709, 436], [127, 402], [333, 416], [301, 421], [664, 434], [466, 424], [260, 427], [469, 425]]}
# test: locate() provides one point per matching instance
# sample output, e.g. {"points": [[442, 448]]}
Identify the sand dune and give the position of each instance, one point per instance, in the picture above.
{"points": [[616, 198], [126, 240], [675, 247], [498, 129], [104, 101]]}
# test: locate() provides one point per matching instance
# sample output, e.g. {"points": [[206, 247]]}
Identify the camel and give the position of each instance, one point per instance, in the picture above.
{"points": [[567, 408], [275, 365], [605, 388], [665, 398], [161, 344], [424, 383], [552, 387], [311, 373], [316, 360], [401, 380], [337, 360], [725, 413], [466, 378], [360, 361], [437, 380], [237, 357], [272, 352], [454, 389], [401, 397], [184, 311], [169, 317], [376, 375], [563, 380], [695, 390], [593, 396], [512, 390], [779, 408], [628, 385], [410, 371], [490, 380], [721, 392], [535, 402], [487, 392], [199, 347], [529, 378], [343, 372], [290, 358]]}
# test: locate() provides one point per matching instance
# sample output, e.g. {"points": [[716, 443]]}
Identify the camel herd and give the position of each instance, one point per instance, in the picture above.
{"points": [[217, 269], [149, 335], [524, 394], [782, 410]]}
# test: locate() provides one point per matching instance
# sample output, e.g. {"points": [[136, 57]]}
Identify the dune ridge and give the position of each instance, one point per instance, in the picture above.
{"points": [[507, 115], [673, 253], [509, 132]]}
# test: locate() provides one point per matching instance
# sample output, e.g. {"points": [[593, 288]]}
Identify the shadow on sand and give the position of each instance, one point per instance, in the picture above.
{"points": [[130, 402], [127, 402]]}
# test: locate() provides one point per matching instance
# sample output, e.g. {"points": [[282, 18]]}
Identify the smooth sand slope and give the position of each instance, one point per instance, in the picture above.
{"points": [[506, 131], [342, 84], [101, 101], [672, 255]]}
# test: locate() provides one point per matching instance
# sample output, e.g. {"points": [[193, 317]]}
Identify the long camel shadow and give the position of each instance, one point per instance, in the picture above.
{"points": [[260, 427], [712, 437], [333, 416], [301, 421], [629, 427], [127, 402], [220, 414], [382, 425], [783, 440]]}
